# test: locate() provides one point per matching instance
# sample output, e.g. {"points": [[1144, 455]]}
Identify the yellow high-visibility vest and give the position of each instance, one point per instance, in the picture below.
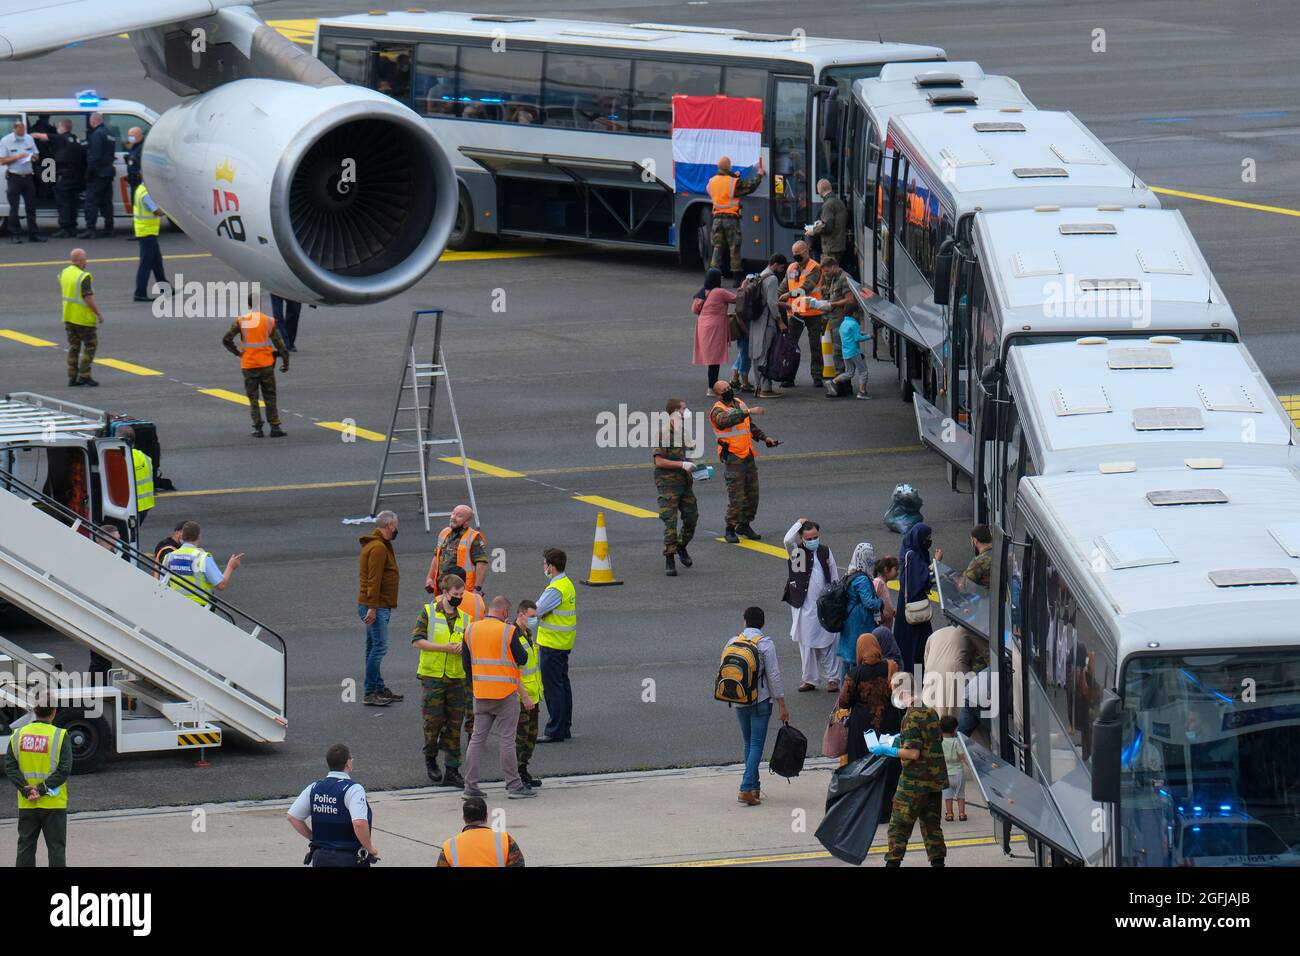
{"points": [[443, 663], [36, 748], [75, 310], [557, 628], [143, 480], [146, 223]]}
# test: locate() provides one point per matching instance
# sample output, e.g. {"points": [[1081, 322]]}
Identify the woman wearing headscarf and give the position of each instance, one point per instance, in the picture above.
{"points": [[888, 646], [914, 584], [863, 603], [711, 304], [865, 695]]}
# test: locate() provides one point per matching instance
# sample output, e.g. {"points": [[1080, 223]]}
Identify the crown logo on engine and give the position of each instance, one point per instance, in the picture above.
{"points": [[226, 171]]}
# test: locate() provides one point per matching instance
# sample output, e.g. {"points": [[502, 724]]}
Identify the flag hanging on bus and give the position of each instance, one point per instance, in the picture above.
{"points": [[706, 128]]}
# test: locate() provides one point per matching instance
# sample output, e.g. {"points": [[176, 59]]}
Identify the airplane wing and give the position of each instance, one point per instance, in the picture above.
{"points": [[32, 27]]}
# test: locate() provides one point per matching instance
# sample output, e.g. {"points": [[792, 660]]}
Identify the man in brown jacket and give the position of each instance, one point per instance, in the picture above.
{"points": [[375, 601]]}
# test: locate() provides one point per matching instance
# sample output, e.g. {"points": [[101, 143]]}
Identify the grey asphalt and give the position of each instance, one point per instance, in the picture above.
{"points": [[1185, 92]]}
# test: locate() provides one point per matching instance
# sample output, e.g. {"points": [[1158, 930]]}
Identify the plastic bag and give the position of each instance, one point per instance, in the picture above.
{"points": [[904, 509], [854, 801]]}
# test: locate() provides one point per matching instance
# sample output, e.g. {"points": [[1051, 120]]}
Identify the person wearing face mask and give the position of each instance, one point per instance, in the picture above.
{"points": [[736, 434], [803, 285], [810, 569], [557, 627], [924, 777], [134, 152], [438, 635], [376, 598], [530, 674], [674, 485]]}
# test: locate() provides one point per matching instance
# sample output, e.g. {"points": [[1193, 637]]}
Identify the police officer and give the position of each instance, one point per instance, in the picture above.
{"points": [[17, 150], [674, 484], [725, 189], [190, 563], [736, 435], [340, 816], [143, 466], [101, 157], [81, 318], [438, 635], [919, 746], [69, 169], [146, 221], [134, 152], [260, 343], [38, 764]]}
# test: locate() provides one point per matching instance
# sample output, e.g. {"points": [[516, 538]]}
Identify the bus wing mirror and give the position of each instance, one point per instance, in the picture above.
{"points": [[832, 116], [1107, 731], [943, 272]]}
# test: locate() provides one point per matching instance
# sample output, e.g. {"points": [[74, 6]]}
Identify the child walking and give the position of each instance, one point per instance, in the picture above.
{"points": [[955, 759]]}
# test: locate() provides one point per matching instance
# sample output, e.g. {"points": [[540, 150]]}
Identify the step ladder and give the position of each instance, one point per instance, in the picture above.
{"points": [[417, 393]]}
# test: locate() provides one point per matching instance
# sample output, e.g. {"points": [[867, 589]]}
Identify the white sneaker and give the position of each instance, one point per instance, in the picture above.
{"points": [[862, 396]]}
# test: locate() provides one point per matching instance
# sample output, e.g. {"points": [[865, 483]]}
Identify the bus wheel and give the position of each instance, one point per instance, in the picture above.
{"points": [[89, 737], [464, 237], [696, 247]]}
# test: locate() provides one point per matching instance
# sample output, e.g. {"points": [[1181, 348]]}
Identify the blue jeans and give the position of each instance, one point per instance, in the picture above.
{"points": [[376, 646], [753, 731], [741, 364]]}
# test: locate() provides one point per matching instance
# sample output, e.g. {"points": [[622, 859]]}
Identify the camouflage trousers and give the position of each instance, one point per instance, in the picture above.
{"points": [[671, 502], [261, 380], [526, 735], [443, 710], [83, 339], [742, 490], [909, 807], [725, 237]]}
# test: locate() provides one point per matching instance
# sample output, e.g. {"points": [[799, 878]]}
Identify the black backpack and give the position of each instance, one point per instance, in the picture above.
{"points": [[749, 302], [788, 752], [833, 605]]}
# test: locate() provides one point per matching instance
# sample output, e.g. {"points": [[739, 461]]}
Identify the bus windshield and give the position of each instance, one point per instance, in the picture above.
{"points": [[1209, 762]]}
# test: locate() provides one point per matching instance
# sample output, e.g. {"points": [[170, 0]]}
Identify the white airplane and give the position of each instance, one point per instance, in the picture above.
{"points": [[322, 191]]}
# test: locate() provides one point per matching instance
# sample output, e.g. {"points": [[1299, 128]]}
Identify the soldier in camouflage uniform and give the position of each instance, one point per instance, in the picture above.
{"points": [[920, 786], [981, 566], [674, 483], [736, 434], [725, 189], [531, 677], [262, 379], [443, 678], [81, 317]]}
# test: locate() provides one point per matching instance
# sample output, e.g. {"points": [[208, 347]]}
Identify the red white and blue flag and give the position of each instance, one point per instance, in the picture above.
{"points": [[706, 128]]}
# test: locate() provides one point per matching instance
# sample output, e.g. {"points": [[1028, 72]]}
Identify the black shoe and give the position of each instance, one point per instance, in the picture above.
{"points": [[141, 298], [90, 383], [452, 778], [16, 240], [293, 348], [683, 557], [818, 382], [789, 384], [670, 566], [62, 234], [74, 382], [85, 234], [257, 432], [528, 779], [730, 536], [749, 532], [434, 774], [937, 861], [277, 432], [36, 237], [893, 863]]}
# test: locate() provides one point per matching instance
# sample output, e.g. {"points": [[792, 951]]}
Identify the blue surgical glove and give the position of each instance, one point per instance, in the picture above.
{"points": [[884, 751]]}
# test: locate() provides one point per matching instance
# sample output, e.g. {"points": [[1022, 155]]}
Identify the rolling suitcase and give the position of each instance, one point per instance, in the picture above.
{"points": [[783, 358]]}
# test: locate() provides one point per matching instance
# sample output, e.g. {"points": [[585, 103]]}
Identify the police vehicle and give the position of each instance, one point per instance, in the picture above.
{"points": [[44, 116]]}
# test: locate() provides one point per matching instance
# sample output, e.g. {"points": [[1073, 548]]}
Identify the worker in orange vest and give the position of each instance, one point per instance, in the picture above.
{"points": [[735, 433], [493, 654], [479, 844], [460, 545], [725, 189], [804, 284], [259, 343]]}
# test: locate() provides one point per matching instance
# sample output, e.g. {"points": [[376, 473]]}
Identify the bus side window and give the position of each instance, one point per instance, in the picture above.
{"points": [[501, 86], [745, 82], [348, 60], [587, 92], [435, 79], [654, 85]]}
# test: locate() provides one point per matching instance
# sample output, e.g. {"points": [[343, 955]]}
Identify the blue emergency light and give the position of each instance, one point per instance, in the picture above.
{"points": [[88, 98]]}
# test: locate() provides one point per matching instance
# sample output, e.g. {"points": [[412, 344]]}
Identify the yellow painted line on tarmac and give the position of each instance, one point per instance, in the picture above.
{"points": [[126, 366], [823, 855], [483, 467], [612, 505], [64, 262], [360, 432], [1219, 200], [229, 396], [759, 546], [26, 339]]}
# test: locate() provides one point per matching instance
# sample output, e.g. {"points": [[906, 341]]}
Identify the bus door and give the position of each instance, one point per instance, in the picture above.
{"points": [[790, 161], [117, 488], [946, 427]]}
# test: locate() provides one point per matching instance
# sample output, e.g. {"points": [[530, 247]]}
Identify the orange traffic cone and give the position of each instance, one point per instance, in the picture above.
{"points": [[602, 570], [828, 353]]}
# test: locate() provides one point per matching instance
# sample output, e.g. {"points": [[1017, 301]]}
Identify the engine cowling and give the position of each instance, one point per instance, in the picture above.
{"points": [[332, 195]]}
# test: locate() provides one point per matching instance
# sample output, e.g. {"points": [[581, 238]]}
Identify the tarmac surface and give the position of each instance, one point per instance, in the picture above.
{"points": [[1184, 92]]}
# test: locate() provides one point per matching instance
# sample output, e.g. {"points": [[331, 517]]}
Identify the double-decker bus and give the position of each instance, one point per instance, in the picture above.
{"points": [[562, 128]]}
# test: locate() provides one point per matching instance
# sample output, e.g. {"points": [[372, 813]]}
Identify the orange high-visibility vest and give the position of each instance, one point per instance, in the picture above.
{"points": [[736, 439], [255, 330], [478, 846], [722, 189], [496, 675], [795, 284], [474, 605], [462, 556]]}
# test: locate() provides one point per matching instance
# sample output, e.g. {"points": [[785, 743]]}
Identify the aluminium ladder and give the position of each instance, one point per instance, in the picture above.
{"points": [[417, 382]]}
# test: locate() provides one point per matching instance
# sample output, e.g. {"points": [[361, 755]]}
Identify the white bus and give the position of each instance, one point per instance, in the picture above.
{"points": [[1149, 675], [561, 128]]}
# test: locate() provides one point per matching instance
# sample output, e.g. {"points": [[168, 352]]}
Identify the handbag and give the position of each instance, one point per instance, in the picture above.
{"points": [[916, 612], [835, 739]]}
